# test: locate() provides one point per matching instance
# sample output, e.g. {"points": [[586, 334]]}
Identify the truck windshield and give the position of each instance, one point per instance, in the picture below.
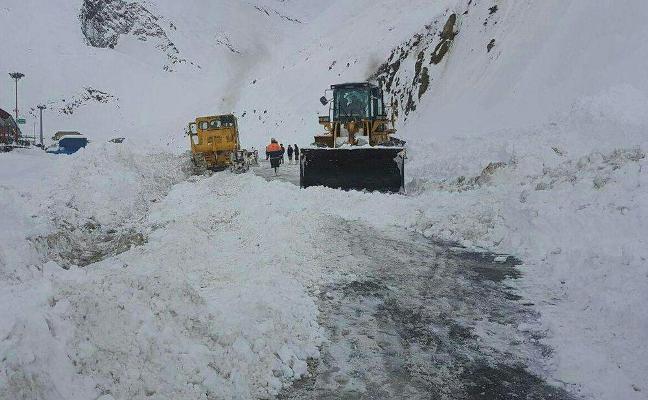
{"points": [[352, 102], [220, 122]]}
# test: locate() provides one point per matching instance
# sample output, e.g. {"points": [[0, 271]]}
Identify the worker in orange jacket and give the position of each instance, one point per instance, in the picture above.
{"points": [[273, 150]]}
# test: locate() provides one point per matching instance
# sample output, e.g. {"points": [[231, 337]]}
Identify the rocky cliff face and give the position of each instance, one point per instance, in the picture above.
{"points": [[407, 73], [104, 21], [413, 66]]}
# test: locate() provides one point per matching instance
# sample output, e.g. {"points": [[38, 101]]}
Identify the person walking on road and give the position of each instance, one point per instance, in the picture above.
{"points": [[290, 154], [296, 153], [274, 152], [283, 153]]}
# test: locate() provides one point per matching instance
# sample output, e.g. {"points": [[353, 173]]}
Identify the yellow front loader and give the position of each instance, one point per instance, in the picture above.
{"points": [[357, 150]]}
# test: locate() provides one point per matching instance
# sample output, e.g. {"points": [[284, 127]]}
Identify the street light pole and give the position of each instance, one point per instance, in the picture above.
{"points": [[17, 76], [41, 108]]}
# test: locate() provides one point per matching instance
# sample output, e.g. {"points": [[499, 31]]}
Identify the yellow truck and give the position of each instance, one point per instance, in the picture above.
{"points": [[214, 139]]}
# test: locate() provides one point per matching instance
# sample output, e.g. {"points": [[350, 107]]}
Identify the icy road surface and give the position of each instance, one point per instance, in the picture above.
{"points": [[404, 323], [285, 173]]}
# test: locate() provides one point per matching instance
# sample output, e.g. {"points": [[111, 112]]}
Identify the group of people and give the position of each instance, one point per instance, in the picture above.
{"points": [[276, 152]]}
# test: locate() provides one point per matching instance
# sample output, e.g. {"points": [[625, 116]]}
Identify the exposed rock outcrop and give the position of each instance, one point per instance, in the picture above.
{"points": [[104, 21]]}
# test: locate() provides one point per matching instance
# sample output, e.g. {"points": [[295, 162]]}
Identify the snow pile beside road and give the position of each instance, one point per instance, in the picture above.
{"points": [[59, 202], [50, 203], [578, 223], [581, 226], [189, 311]]}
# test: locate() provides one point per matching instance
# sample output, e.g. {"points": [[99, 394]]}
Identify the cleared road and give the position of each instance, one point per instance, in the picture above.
{"points": [[419, 319]]}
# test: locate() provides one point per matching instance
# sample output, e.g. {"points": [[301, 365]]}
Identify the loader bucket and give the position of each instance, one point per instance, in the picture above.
{"points": [[373, 169]]}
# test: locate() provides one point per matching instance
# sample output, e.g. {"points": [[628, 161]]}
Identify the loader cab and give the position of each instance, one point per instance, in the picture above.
{"points": [[356, 102]]}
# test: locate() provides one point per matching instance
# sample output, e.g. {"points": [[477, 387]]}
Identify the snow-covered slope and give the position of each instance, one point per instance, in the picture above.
{"points": [[526, 123], [548, 60], [156, 65]]}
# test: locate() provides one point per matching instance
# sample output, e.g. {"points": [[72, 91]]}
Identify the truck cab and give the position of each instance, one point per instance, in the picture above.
{"points": [[213, 139]]}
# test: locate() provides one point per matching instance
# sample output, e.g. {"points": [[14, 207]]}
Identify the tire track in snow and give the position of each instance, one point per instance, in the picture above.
{"points": [[416, 319]]}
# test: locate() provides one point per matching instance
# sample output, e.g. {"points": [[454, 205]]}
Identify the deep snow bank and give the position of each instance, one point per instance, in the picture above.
{"points": [[203, 305], [215, 299], [577, 225]]}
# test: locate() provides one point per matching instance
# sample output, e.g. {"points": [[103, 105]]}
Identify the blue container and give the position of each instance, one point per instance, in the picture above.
{"points": [[68, 145]]}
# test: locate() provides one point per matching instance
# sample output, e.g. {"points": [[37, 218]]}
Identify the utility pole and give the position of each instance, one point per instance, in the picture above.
{"points": [[17, 76], [41, 108]]}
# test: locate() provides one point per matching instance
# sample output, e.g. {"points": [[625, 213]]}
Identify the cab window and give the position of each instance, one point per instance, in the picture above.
{"points": [[377, 102], [227, 120], [351, 103]]}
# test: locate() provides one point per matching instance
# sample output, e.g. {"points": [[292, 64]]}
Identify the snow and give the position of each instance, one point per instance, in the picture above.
{"points": [[185, 313], [578, 227], [123, 277]]}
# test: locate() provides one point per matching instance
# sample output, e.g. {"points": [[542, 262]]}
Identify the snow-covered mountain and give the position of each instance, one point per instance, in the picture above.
{"points": [[527, 131], [465, 66]]}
